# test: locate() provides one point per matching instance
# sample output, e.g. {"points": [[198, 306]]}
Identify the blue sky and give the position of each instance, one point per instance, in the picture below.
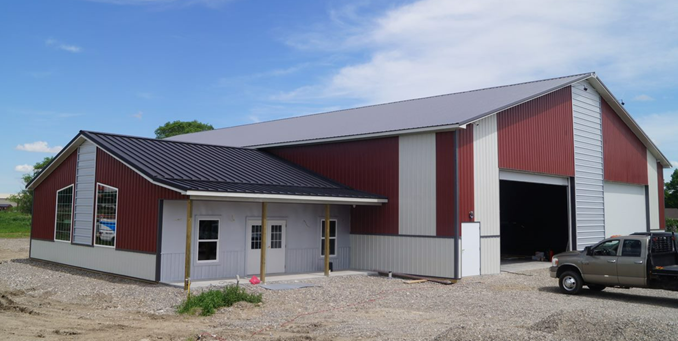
{"points": [[128, 66]]}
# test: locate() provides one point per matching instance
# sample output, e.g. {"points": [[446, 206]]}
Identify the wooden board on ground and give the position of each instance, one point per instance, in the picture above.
{"points": [[415, 281]]}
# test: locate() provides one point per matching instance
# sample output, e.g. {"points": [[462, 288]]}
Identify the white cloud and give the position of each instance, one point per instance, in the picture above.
{"points": [[39, 147], [439, 46], [138, 115], [643, 98], [23, 168], [61, 46], [675, 164]]}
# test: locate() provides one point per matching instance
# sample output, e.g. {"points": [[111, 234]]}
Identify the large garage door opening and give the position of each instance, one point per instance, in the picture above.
{"points": [[534, 218]]}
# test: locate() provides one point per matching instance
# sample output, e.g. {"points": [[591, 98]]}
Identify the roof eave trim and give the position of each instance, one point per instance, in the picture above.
{"points": [[446, 127], [283, 198], [628, 119], [527, 99]]}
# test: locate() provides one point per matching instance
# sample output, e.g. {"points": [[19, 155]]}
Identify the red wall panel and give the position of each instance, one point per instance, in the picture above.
{"points": [[466, 179], [137, 204], [44, 195], [538, 136], [625, 157], [445, 184], [660, 184], [368, 165]]}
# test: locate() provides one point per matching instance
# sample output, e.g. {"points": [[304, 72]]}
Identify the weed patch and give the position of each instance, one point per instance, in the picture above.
{"points": [[14, 224], [207, 302]]}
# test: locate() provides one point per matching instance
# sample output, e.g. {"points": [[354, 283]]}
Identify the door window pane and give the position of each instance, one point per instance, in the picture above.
{"points": [[276, 236], [255, 242], [631, 248], [608, 248]]}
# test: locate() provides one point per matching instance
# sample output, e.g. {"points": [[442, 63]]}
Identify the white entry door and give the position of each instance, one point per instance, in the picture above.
{"points": [[275, 246], [470, 249]]}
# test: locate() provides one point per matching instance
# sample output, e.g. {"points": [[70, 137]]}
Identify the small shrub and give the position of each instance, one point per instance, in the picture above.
{"points": [[671, 225], [207, 302]]}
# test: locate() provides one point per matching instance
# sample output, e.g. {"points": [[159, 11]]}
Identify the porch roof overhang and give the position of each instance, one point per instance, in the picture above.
{"points": [[284, 199]]}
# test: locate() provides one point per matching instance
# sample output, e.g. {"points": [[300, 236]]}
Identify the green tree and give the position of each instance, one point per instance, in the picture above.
{"points": [[24, 199], [671, 191], [181, 127]]}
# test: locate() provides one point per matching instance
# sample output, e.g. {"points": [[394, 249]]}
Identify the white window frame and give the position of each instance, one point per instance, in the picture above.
{"points": [[56, 212], [197, 240], [336, 236], [96, 209]]}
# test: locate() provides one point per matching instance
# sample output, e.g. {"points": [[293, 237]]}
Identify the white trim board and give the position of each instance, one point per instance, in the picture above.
{"points": [[533, 178]]}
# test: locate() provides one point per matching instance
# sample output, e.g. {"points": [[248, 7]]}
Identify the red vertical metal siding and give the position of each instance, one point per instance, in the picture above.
{"points": [[466, 179], [624, 155], [660, 184], [538, 136], [445, 184], [367, 165], [137, 203], [44, 196]]}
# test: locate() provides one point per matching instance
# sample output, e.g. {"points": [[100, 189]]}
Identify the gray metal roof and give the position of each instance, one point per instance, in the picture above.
{"points": [[430, 112], [200, 167]]}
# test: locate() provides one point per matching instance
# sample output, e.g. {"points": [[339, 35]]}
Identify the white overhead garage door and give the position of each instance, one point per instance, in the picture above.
{"points": [[624, 209]]}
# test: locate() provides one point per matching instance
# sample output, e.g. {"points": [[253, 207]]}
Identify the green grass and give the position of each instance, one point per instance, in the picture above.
{"points": [[14, 224], [209, 301]]}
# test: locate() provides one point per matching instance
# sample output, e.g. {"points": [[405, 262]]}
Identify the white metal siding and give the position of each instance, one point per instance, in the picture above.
{"points": [[417, 184], [84, 194], [413, 255], [490, 259], [132, 264], [653, 191], [302, 239], [486, 184], [588, 165], [624, 209], [486, 175]]}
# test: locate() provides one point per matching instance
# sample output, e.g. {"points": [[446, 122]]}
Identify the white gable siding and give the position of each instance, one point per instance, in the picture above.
{"points": [[417, 185], [84, 194]]}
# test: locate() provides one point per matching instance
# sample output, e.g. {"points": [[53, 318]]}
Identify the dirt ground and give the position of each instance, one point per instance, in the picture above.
{"points": [[41, 301]]}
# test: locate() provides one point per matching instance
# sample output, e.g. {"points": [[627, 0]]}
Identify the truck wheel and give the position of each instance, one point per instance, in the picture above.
{"points": [[596, 287], [570, 282]]}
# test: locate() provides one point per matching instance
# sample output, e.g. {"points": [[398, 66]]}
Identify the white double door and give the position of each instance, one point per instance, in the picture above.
{"points": [[275, 246]]}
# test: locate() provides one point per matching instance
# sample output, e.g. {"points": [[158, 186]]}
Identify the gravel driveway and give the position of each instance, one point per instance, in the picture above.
{"points": [[39, 300]]}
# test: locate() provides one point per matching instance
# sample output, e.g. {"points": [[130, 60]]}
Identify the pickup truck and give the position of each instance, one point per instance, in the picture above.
{"points": [[641, 260]]}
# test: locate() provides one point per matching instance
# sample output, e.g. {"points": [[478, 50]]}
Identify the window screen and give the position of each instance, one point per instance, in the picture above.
{"points": [[208, 240], [106, 215], [64, 214], [333, 237]]}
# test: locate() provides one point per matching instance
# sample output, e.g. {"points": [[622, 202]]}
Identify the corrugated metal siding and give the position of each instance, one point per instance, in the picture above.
{"points": [[486, 176], [445, 179], [588, 158], [137, 203], [625, 156], [84, 194], [466, 170], [369, 165], [490, 258], [103, 259], [652, 191], [424, 256], [44, 204], [417, 184], [660, 194], [537, 136]]}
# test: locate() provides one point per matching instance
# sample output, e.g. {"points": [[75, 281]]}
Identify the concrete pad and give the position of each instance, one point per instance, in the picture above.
{"points": [[273, 278], [523, 265]]}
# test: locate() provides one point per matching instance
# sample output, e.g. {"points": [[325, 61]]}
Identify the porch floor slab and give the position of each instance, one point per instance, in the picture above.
{"points": [[274, 278]]}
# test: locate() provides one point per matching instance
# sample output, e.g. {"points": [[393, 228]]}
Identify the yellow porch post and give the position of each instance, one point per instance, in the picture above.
{"points": [[189, 233], [262, 267], [327, 240]]}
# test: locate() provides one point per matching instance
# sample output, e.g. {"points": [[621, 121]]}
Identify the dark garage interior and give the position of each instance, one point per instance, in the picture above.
{"points": [[534, 218]]}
